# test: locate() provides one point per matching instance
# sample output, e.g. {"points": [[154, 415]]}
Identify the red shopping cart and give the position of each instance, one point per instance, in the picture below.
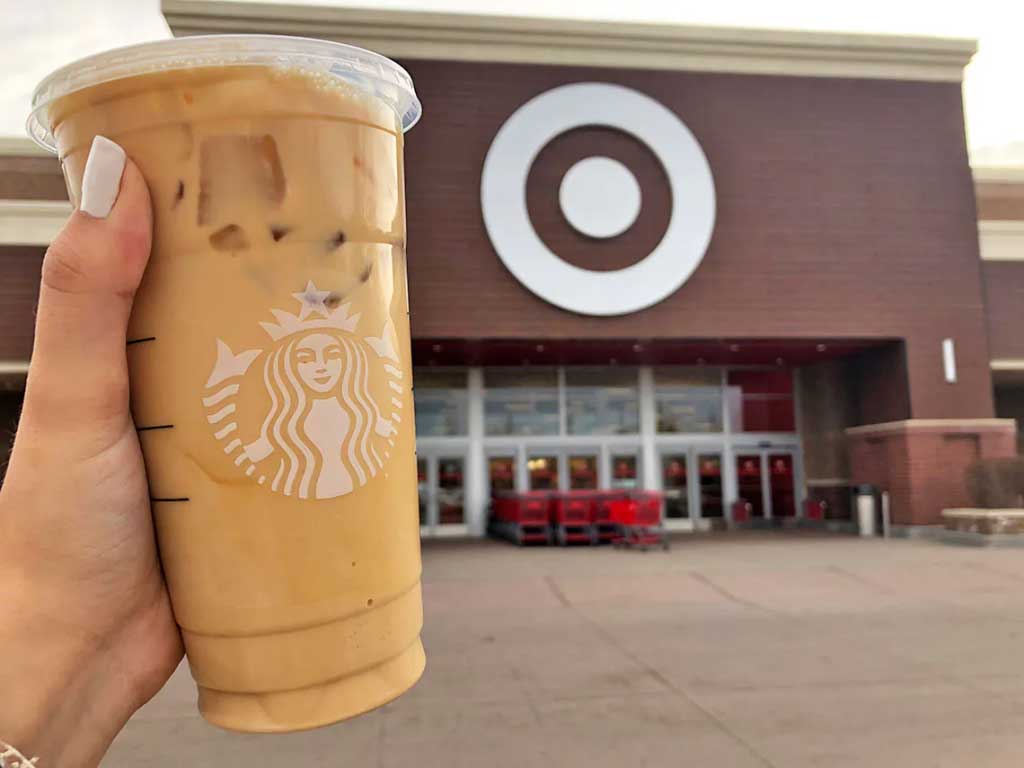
{"points": [[521, 517], [571, 517], [638, 519], [603, 526]]}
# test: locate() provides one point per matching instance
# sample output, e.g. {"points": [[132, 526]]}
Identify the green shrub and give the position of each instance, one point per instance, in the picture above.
{"points": [[996, 483]]}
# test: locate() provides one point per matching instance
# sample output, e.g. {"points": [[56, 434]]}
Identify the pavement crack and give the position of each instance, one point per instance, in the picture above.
{"points": [[656, 675], [557, 591], [723, 592], [858, 579]]}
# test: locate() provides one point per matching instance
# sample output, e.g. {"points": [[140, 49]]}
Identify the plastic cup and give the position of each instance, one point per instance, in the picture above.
{"points": [[269, 359]]}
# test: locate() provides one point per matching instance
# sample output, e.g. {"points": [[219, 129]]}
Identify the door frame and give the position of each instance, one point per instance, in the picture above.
{"points": [[433, 454], [563, 451], [763, 451], [693, 450]]}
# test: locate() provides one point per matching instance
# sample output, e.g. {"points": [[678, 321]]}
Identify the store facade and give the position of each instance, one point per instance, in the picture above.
{"points": [[722, 264]]}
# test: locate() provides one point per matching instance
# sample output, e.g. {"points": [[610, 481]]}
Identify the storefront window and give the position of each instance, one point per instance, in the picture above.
{"points": [[688, 400], [583, 472], [602, 401], [543, 473], [761, 401], [502, 472], [440, 402], [521, 402], [710, 467], [624, 473]]}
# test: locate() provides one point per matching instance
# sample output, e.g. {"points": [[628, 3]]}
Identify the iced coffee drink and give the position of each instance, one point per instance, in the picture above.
{"points": [[270, 361]]}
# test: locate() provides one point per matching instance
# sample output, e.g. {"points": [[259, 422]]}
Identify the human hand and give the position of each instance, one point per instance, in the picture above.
{"points": [[87, 634]]}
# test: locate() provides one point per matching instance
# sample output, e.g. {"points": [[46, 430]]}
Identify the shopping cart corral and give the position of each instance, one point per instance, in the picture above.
{"points": [[626, 519], [521, 517], [638, 519]]}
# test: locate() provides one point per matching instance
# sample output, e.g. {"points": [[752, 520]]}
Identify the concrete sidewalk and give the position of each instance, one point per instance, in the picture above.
{"points": [[727, 652]]}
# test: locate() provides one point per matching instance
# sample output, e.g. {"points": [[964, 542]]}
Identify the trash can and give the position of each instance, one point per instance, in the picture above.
{"points": [[866, 505]]}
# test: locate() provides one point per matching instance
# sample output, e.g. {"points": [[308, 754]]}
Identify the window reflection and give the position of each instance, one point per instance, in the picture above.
{"points": [[543, 473], [502, 471], [624, 474], [675, 486], [521, 402], [602, 401], [441, 402], [710, 467], [583, 472], [688, 400]]}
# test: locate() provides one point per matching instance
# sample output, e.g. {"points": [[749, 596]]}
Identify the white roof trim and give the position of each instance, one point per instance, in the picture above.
{"points": [[21, 146], [31, 222], [999, 174], [952, 425], [1007, 364], [1001, 240], [471, 37], [13, 367]]}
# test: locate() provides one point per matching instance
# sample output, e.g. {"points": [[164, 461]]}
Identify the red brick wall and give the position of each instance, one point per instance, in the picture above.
{"points": [[1004, 300], [828, 407], [845, 210], [922, 464], [19, 291], [882, 385]]}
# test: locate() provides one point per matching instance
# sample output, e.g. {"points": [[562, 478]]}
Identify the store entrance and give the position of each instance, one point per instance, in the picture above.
{"points": [[691, 481], [766, 479], [441, 477], [564, 469]]}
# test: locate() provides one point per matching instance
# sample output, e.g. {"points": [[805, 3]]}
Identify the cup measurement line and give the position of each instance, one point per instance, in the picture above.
{"points": [[169, 499], [155, 426], [139, 341]]}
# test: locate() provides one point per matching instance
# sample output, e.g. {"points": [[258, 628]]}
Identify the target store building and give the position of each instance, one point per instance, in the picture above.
{"points": [[720, 263]]}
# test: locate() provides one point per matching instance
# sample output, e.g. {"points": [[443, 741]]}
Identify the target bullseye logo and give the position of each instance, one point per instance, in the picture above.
{"points": [[599, 197]]}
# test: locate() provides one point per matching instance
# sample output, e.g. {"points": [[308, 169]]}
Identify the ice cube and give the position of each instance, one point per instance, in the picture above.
{"points": [[238, 174], [229, 238]]}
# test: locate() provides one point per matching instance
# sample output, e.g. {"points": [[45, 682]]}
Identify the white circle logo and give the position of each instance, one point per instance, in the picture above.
{"points": [[599, 197]]}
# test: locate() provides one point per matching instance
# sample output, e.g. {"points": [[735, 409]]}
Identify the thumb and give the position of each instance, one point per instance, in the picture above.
{"points": [[78, 379]]}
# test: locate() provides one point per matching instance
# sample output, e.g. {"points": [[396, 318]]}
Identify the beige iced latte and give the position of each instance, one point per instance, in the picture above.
{"points": [[270, 360]]}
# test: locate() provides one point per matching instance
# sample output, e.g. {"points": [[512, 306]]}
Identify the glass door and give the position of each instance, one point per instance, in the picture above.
{"points": [[709, 485], [542, 471], [691, 481], [749, 476], [625, 471], [582, 471], [442, 493], [782, 487], [501, 471], [675, 484], [766, 479], [423, 485]]}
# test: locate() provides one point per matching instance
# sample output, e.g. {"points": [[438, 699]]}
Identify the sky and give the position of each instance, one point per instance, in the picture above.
{"points": [[41, 35]]}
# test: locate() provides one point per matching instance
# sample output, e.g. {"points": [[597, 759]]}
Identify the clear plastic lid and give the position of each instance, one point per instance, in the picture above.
{"points": [[375, 74]]}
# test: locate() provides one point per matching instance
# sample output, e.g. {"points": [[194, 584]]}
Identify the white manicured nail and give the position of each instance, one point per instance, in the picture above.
{"points": [[102, 179]]}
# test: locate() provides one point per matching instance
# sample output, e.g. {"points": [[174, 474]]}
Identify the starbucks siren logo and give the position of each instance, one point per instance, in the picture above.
{"points": [[323, 432]]}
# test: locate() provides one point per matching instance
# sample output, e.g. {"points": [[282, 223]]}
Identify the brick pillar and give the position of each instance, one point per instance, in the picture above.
{"points": [[921, 462]]}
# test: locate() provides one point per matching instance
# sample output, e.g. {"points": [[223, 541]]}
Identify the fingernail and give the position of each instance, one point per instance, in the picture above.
{"points": [[102, 179]]}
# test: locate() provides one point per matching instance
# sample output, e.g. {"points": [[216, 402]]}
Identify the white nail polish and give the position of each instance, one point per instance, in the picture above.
{"points": [[102, 179]]}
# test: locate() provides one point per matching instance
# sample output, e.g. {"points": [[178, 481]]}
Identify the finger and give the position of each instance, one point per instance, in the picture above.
{"points": [[78, 378]]}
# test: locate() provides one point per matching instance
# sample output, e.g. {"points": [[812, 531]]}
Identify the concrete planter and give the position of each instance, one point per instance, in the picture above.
{"points": [[984, 527]]}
